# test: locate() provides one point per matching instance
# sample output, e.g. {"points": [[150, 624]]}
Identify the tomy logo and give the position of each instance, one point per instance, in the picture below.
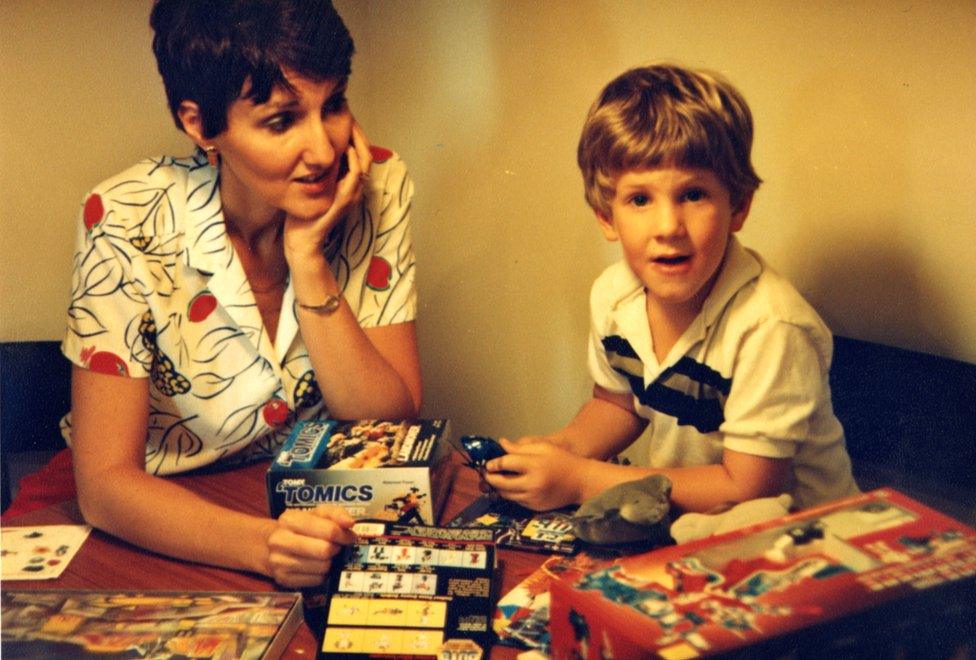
{"points": [[309, 495], [306, 446]]}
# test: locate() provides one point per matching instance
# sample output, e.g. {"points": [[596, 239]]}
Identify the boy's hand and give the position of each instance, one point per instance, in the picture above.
{"points": [[549, 439], [537, 475], [303, 543]]}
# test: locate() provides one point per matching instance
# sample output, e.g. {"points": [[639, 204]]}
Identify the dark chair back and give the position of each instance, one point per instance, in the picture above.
{"points": [[35, 392], [910, 421]]}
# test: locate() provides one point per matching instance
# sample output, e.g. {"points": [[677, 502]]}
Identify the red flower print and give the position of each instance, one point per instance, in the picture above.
{"points": [[275, 412], [200, 307], [380, 155], [94, 211], [378, 275], [104, 362]]}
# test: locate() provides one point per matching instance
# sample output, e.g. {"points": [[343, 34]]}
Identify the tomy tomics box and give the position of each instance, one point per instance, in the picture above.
{"points": [[397, 471]]}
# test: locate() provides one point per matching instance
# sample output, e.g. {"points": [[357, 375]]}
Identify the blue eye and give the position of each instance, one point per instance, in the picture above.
{"points": [[640, 200]]}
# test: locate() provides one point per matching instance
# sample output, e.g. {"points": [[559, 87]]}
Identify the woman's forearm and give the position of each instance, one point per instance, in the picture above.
{"points": [[164, 517], [360, 376]]}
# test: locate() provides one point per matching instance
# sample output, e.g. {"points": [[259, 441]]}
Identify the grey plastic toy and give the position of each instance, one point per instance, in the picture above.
{"points": [[627, 513]]}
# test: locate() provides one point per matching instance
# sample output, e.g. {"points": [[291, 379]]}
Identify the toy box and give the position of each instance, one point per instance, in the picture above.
{"points": [[397, 471], [877, 573]]}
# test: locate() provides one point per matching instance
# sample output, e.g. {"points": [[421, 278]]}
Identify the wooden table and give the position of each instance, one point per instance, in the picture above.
{"points": [[105, 562]]}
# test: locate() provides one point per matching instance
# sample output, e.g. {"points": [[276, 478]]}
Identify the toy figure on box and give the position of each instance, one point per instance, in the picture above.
{"points": [[368, 444], [404, 508], [217, 299], [691, 333]]}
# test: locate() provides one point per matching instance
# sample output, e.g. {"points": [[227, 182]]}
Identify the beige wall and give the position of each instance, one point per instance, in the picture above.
{"points": [[866, 139]]}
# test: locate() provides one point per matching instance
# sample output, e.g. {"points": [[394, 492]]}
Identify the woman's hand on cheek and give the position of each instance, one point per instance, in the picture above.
{"points": [[363, 149], [540, 475], [303, 543], [307, 236]]}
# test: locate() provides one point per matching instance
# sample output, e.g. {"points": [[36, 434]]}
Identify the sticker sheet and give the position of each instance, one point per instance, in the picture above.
{"points": [[41, 552], [516, 527]]}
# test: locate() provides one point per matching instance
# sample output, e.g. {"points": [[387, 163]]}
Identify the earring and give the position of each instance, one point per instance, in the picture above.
{"points": [[213, 156]]}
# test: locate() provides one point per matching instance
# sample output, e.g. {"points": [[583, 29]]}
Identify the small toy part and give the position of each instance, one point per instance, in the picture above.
{"points": [[694, 526], [481, 449], [782, 550], [635, 511]]}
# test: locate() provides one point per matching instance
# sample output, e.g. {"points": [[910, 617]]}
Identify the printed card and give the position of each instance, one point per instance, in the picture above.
{"points": [[41, 552]]}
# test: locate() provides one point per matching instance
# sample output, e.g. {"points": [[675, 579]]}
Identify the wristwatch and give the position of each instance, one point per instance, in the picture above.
{"points": [[330, 305]]}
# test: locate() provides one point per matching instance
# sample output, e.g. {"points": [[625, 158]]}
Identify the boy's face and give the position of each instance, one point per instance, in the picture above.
{"points": [[674, 225]]}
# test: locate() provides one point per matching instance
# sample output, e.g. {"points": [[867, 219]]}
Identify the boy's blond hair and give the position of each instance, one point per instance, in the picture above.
{"points": [[667, 115]]}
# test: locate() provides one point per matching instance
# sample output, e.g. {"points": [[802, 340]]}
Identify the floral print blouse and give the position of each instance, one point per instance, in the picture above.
{"points": [[158, 292]]}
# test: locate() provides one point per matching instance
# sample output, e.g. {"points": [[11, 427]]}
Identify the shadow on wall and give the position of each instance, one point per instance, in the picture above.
{"points": [[874, 289], [855, 254]]}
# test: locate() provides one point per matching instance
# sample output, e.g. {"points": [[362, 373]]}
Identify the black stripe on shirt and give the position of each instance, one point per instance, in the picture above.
{"points": [[704, 411]]}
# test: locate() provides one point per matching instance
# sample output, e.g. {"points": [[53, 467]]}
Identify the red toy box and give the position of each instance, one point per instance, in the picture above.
{"points": [[878, 572]]}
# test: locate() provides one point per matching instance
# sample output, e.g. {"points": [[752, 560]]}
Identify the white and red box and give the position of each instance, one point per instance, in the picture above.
{"points": [[878, 573], [387, 470]]}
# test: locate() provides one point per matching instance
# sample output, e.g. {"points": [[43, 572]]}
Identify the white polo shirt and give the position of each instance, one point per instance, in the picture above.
{"points": [[749, 374]]}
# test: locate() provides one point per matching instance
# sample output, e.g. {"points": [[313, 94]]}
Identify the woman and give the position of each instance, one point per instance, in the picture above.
{"points": [[217, 299]]}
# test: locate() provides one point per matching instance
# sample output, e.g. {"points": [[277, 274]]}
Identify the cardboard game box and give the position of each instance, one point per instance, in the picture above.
{"points": [[147, 624], [877, 573], [386, 470]]}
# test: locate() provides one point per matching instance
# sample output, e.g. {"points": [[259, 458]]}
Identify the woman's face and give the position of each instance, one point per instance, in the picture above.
{"points": [[286, 153]]}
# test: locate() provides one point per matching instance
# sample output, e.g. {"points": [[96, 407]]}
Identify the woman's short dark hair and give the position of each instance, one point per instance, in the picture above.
{"points": [[207, 49]]}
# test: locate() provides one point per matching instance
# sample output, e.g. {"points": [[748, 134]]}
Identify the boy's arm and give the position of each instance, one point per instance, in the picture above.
{"points": [[739, 477], [547, 472], [568, 466], [604, 426], [543, 476]]}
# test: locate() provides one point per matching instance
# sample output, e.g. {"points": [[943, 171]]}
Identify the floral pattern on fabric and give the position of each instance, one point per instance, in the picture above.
{"points": [[158, 292]]}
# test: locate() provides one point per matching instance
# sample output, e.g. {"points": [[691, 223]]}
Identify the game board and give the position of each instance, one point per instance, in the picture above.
{"points": [[408, 590]]}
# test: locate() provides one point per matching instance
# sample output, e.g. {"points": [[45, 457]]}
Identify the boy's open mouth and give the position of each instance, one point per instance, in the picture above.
{"points": [[672, 261]]}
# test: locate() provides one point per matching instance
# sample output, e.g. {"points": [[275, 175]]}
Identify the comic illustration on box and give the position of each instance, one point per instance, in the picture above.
{"points": [[161, 625], [374, 469]]}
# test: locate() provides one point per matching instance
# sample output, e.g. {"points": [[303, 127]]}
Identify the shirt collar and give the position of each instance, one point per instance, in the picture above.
{"points": [[739, 267], [208, 248]]}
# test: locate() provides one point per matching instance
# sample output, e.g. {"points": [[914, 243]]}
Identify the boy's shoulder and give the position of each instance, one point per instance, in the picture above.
{"points": [[761, 297]]}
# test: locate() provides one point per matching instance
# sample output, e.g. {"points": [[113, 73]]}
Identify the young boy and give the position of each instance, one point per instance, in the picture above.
{"points": [[690, 332]]}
